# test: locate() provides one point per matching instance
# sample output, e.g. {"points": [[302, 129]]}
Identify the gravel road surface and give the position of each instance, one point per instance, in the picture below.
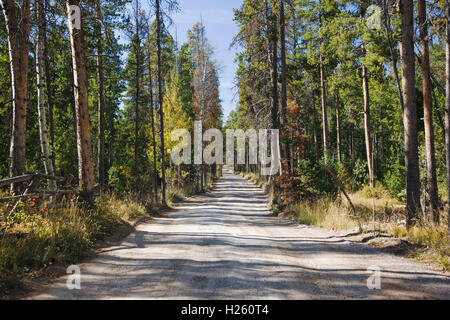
{"points": [[226, 245]]}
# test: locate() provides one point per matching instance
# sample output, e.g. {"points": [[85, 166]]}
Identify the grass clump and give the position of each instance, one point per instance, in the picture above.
{"points": [[176, 196], [323, 213]]}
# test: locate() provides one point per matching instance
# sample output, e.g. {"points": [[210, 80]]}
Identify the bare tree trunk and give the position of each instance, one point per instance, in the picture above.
{"points": [[315, 134], [43, 133], [111, 139], [48, 81], [286, 153], [84, 147], [410, 114], [338, 122], [202, 112], [72, 103], [387, 26], [136, 118], [367, 129], [447, 114], [323, 90], [101, 101], [18, 31], [367, 125], [160, 101], [274, 77], [428, 113], [155, 169], [137, 43], [273, 61]]}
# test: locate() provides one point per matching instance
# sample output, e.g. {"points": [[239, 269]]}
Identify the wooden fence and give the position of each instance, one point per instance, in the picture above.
{"points": [[33, 182]]}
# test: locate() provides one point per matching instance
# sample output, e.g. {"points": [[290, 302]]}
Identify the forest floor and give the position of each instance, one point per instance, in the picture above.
{"points": [[227, 245]]}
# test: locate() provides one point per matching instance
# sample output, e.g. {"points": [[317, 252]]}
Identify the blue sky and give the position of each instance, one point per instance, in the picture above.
{"points": [[217, 17]]}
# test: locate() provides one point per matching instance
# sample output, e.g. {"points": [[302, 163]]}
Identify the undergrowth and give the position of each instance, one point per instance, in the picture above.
{"points": [[31, 240]]}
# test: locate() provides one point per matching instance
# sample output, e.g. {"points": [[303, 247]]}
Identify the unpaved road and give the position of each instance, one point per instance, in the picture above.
{"points": [[226, 245]]}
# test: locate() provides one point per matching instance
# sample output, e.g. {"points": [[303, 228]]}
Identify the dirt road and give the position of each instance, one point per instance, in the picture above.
{"points": [[226, 245]]}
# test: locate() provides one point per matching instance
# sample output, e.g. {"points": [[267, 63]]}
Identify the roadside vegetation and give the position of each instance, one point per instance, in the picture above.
{"points": [[33, 238], [423, 242]]}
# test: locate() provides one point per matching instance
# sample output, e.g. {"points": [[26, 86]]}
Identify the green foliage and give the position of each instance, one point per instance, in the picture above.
{"points": [[395, 182]]}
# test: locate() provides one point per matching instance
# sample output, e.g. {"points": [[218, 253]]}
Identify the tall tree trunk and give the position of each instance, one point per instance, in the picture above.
{"points": [[273, 61], [367, 125], [447, 114], [155, 169], [160, 102], [43, 133], [338, 126], [84, 147], [111, 139], [366, 94], [136, 115], [18, 31], [48, 80], [428, 113], [274, 77], [286, 153], [315, 135], [72, 102], [202, 111], [387, 26], [323, 90], [410, 114], [101, 101]]}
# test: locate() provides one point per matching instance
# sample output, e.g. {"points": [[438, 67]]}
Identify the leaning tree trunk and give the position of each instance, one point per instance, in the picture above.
{"points": [[410, 113], [18, 31], [428, 113], [80, 77], [160, 102], [43, 133], [447, 114]]}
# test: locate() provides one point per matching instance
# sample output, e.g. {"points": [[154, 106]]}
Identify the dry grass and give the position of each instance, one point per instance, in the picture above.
{"points": [[382, 198], [124, 209], [435, 243], [323, 213]]}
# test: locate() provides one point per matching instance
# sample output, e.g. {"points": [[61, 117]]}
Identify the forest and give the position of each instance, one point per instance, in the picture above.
{"points": [[91, 92]]}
